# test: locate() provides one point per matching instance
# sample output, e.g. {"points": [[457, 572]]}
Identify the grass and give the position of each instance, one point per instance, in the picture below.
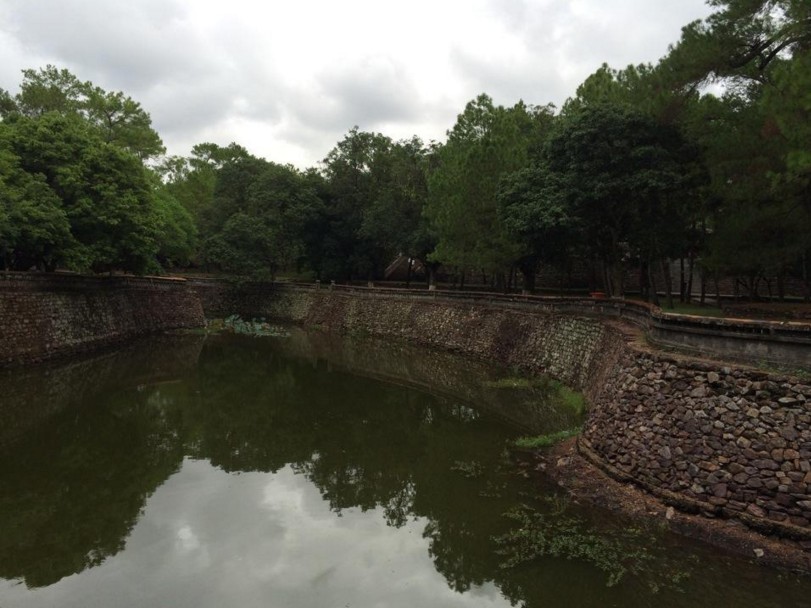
{"points": [[694, 309], [558, 392], [519, 382], [546, 441], [570, 397]]}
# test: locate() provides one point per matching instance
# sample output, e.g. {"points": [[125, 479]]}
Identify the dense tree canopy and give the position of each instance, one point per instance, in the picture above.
{"points": [[703, 156]]}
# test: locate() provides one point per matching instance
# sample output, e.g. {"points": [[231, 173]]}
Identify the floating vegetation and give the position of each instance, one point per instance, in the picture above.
{"points": [[546, 441], [620, 552], [255, 327], [470, 469]]}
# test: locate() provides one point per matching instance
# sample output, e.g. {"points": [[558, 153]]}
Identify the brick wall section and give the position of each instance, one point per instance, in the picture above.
{"points": [[42, 316], [713, 438]]}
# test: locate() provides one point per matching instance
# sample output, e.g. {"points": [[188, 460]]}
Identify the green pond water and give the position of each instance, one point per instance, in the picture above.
{"points": [[306, 470]]}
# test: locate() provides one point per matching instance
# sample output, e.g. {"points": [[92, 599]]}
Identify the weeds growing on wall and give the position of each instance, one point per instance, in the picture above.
{"points": [[553, 391]]}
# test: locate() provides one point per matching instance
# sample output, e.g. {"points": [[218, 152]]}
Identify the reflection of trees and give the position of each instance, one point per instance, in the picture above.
{"points": [[30, 395], [73, 499], [365, 444]]}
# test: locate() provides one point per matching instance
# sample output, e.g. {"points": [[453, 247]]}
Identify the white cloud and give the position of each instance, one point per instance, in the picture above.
{"points": [[289, 79], [208, 538]]}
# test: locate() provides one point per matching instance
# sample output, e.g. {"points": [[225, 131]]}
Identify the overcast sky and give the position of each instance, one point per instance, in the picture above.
{"points": [[288, 79]]}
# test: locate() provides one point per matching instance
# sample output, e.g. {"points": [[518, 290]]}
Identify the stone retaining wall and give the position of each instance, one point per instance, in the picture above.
{"points": [[720, 439], [713, 438], [42, 316]]}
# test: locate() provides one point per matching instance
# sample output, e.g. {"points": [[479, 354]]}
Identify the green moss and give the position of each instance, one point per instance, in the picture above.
{"points": [[519, 383], [570, 398], [545, 441], [558, 393]]}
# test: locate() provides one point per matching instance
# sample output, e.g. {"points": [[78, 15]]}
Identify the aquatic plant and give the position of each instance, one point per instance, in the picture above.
{"points": [[255, 327], [470, 469], [617, 553], [545, 441]]}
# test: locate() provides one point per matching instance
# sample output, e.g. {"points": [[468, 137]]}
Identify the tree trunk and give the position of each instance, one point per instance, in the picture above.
{"points": [[682, 282], [408, 272], [668, 283], [462, 280], [718, 291], [653, 292], [703, 287], [618, 290], [781, 285], [807, 295], [529, 280], [606, 278], [691, 264], [644, 280], [431, 276]]}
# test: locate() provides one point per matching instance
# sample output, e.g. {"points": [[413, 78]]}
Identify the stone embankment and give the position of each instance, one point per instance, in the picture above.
{"points": [[717, 439], [46, 315], [709, 437], [714, 438]]}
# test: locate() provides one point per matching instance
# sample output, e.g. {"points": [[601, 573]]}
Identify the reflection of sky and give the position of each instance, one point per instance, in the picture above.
{"points": [[208, 538]]}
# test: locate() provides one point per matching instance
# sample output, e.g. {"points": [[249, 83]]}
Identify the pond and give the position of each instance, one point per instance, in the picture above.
{"points": [[309, 470]]}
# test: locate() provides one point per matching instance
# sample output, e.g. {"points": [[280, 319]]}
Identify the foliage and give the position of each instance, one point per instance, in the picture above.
{"points": [[256, 328], [628, 551], [486, 144], [80, 201], [546, 441], [626, 180], [259, 218], [117, 119]]}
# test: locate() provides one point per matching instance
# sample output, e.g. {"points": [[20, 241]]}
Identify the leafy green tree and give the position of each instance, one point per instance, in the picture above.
{"points": [[176, 234], [268, 209], [103, 191], [119, 119], [34, 230], [394, 218], [486, 144], [357, 170], [535, 212], [624, 178]]}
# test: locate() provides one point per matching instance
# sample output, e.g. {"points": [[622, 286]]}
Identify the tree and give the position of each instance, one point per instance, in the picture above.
{"points": [[535, 212], [394, 217], [356, 172], [486, 144], [34, 229], [176, 234], [625, 179], [265, 210], [103, 191], [119, 119]]}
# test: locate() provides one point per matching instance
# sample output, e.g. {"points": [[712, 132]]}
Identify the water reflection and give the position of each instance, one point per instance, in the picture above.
{"points": [[264, 473]]}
